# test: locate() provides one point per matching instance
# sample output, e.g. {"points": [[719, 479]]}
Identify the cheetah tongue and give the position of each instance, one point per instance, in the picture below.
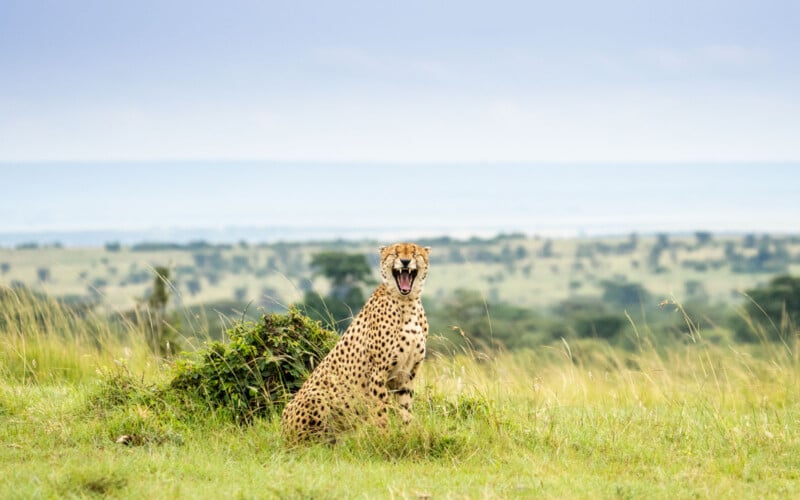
{"points": [[404, 281]]}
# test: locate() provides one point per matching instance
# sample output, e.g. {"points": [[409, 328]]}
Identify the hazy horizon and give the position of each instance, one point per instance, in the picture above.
{"points": [[335, 200]]}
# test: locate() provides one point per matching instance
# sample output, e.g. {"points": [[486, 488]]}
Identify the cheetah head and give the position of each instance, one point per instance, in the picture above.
{"points": [[404, 267]]}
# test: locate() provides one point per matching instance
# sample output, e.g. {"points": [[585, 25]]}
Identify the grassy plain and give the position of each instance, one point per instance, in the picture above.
{"points": [[277, 275], [579, 420]]}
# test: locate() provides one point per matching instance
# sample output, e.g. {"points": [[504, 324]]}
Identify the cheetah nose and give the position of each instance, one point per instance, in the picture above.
{"points": [[405, 262]]}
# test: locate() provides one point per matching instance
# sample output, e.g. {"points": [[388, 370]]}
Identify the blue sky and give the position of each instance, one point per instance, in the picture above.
{"points": [[413, 81], [400, 114]]}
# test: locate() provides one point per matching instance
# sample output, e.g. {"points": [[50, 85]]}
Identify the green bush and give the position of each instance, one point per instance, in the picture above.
{"points": [[466, 318], [771, 313], [259, 369], [604, 326]]}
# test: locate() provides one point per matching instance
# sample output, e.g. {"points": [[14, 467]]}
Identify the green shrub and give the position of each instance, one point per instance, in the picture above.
{"points": [[604, 326], [772, 312], [259, 369]]}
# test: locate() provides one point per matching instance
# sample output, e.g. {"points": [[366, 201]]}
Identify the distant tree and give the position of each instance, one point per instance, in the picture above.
{"points": [[695, 291], [240, 263], [730, 251], [703, 237], [345, 271], [455, 256], [485, 255], [240, 294], [347, 274], [199, 259], [160, 334], [654, 259], [193, 286], [43, 274], [201, 244], [154, 246], [138, 276], [113, 246], [99, 283], [185, 271], [547, 249], [5, 267], [212, 277], [772, 256], [160, 295], [506, 254], [625, 295]]}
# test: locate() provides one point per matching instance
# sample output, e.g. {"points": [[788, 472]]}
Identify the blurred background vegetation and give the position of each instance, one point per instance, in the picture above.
{"points": [[507, 292]]}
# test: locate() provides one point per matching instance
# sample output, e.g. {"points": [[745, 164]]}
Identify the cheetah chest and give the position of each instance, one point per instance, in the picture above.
{"points": [[409, 347]]}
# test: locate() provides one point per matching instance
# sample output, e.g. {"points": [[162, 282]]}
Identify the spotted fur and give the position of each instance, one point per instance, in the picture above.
{"points": [[377, 357]]}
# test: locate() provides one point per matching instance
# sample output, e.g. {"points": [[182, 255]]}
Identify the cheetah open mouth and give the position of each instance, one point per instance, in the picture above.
{"points": [[404, 279]]}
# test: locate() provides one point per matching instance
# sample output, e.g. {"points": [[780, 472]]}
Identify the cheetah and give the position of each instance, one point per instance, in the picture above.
{"points": [[378, 355]]}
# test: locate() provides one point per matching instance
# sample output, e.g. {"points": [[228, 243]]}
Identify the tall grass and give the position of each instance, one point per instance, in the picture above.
{"points": [[43, 340], [725, 376]]}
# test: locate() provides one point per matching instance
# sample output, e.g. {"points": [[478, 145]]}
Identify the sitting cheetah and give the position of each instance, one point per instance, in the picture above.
{"points": [[377, 356]]}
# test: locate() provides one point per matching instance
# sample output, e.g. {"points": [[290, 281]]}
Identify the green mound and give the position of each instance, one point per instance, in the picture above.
{"points": [[259, 368]]}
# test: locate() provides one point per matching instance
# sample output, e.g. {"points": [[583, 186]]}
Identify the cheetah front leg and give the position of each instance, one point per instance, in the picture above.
{"points": [[402, 385], [405, 397], [380, 397]]}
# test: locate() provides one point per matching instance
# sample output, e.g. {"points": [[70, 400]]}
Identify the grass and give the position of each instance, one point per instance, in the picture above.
{"points": [[578, 420], [42, 341]]}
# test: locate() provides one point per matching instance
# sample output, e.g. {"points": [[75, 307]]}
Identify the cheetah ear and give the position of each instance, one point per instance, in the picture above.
{"points": [[427, 249], [381, 249]]}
